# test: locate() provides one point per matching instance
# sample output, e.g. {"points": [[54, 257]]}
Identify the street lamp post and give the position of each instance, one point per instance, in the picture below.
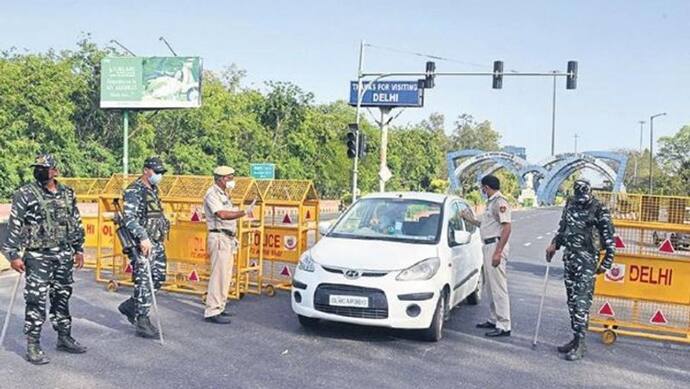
{"points": [[553, 116], [642, 122], [651, 149]]}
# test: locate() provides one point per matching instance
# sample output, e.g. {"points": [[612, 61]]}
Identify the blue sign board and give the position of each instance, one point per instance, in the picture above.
{"points": [[262, 171], [388, 94]]}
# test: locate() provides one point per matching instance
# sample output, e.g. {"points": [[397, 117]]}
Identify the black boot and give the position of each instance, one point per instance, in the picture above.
{"points": [[567, 347], [128, 308], [67, 344], [145, 329], [34, 354], [577, 352]]}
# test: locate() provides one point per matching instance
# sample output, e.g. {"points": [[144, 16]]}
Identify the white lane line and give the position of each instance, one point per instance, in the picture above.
{"points": [[540, 237], [527, 244], [548, 233], [92, 324]]}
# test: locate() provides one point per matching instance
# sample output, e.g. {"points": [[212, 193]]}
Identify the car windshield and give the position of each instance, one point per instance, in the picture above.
{"points": [[391, 219]]}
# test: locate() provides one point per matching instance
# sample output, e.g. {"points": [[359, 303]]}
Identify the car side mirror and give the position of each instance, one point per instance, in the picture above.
{"points": [[325, 226], [461, 237]]}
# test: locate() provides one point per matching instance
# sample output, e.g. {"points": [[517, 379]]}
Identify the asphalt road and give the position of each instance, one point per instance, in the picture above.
{"points": [[266, 348]]}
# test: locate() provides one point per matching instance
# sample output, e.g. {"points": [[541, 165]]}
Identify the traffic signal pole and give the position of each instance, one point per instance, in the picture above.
{"points": [[360, 95], [497, 75]]}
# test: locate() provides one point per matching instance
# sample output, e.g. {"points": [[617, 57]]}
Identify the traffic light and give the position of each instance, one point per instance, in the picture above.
{"points": [[351, 140], [430, 75], [362, 145], [498, 75], [571, 80]]}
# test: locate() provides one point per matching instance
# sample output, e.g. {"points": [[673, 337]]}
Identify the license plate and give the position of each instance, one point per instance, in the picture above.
{"points": [[348, 301]]}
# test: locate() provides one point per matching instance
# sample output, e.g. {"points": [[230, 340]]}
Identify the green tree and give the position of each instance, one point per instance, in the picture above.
{"points": [[469, 134], [674, 158]]}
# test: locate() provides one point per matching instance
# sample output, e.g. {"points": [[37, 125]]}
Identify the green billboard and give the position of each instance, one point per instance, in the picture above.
{"points": [[151, 82]]}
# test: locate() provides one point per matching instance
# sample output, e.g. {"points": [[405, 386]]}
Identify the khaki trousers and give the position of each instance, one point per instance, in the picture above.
{"points": [[220, 249], [496, 284]]}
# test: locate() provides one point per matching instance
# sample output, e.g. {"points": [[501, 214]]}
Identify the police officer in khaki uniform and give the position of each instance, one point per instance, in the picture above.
{"points": [[221, 220], [494, 228]]}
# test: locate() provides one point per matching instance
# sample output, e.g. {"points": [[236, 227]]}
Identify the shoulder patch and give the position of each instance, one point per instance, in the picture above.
{"points": [[503, 208]]}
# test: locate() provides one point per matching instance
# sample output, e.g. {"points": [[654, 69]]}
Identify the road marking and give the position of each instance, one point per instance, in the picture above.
{"points": [[548, 233], [540, 237], [93, 324], [527, 244]]}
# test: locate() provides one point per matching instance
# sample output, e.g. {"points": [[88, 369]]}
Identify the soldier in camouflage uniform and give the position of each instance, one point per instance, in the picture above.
{"points": [[585, 226], [45, 224], [143, 217]]}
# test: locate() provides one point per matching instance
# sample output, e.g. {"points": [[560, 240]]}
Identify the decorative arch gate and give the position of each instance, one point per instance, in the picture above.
{"points": [[547, 176]]}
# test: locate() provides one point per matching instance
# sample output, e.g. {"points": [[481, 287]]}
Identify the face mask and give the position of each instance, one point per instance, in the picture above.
{"points": [[42, 175], [582, 191], [230, 185], [485, 196], [156, 179]]}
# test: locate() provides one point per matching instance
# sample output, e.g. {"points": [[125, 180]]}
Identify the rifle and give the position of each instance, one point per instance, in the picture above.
{"points": [[129, 246]]}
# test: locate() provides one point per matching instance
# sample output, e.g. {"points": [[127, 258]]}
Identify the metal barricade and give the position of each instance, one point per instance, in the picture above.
{"points": [[188, 267], [647, 209], [291, 217], [87, 191], [646, 293]]}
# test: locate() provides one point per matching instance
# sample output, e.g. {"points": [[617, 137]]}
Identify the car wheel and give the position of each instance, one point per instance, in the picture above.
{"points": [[308, 322], [476, 297], [435, 331]]}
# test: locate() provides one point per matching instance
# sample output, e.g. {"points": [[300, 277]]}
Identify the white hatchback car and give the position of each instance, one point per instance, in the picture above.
{"points": [[399, 260]]}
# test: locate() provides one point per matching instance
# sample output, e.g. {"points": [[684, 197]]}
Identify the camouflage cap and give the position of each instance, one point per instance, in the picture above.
{"points": [[155, 164], [45, 160]]}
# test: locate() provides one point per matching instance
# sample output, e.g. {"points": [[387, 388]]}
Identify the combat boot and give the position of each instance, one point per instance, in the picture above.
{"points": [[34, 354], [67, 344], [128, 308], [577, 352], [567, 347], [145, 329]]}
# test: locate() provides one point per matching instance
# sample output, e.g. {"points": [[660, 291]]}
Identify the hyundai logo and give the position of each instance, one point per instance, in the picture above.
{"points": [[352, 274]]}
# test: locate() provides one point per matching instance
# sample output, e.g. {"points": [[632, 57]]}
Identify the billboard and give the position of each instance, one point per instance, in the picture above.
{"points": [[151, 82]]}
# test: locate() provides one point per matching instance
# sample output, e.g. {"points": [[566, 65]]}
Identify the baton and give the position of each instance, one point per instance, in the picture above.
{"points": [[541, 305], [153, 298], [8, 315]]}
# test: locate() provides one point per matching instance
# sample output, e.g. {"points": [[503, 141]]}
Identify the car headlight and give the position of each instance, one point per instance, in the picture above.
{"points": [[306, 262], [420, 271]]}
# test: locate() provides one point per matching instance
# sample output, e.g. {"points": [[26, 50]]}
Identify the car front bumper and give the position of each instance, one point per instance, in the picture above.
{"points": [[392, 303]]}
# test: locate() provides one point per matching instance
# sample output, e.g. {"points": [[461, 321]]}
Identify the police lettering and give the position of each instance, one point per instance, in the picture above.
{"points": [[385, 97], [651, 275]]}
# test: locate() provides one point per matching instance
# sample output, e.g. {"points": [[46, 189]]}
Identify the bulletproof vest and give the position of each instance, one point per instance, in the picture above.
{"points": [[155, 223], [55, 215], [581, 230]]}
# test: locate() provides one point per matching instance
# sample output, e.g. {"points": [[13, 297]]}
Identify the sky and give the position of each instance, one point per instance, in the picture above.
{"points": [[634, 56]]}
